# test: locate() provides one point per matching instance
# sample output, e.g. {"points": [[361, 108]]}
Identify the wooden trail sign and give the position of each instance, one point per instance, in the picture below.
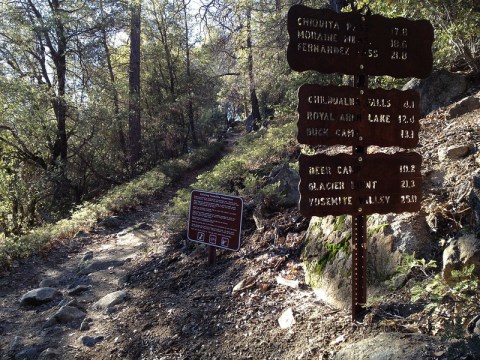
{"points": [[344, 115], [215, 219], [360, 184], [352, 43]]}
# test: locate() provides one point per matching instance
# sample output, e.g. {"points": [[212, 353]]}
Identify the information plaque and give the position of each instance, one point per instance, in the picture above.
{"points": [[352, 43], [344, 115], [215, 219], [367, 184]]}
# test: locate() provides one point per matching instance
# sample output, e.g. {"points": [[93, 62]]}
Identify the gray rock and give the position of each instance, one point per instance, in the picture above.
{"points": [[85, 325], [88, 256], [46, 283], [112, 222], [14, 346], [398, 346], [123, 281], [464, 106], [474, 198], [68, 314], [99, 266], [454, 152], [440, 89], [328, 260], [39, 296], [29, 353], [288, 180], [464, 251], [77, 290], [50, 354], [91, 341], [110, 300], [411, 234]]}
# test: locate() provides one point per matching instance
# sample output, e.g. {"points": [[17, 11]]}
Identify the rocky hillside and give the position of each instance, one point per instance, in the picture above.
{"points": [[131, 287]]}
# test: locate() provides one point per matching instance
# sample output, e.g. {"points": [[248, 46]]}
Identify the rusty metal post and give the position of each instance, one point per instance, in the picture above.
{"points": [[359, 236], [212, 255]]}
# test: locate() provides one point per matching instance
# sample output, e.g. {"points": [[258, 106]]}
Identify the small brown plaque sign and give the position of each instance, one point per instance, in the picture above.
{"points": [[343, 115], [352, 43], [365, 184], [215, 219]]}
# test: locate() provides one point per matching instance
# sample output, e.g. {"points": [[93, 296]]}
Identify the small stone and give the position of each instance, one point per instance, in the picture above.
{"points": [[244, 284], [46, 283], [99, 266], [77, 290], [286, 282], [464, 106], [67, 314], [112, 222], [286, 320], [123, 281], [88, 256], [110, 300], [454, 152], [30, 353], [91, 341], [50, 354], [85, 325], [39, 296]]}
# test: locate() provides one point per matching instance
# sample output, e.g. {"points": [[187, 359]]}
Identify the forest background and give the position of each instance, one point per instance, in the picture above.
{"points": [[96, 93]]}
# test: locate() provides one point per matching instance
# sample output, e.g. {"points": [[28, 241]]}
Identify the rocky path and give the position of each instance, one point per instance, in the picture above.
{"points": [[129, 289]]}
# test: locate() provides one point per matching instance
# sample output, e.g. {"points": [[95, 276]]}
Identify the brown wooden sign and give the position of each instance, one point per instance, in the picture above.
{"points": [[352, 43], [365, 184], [215, 219], [343, 115]]}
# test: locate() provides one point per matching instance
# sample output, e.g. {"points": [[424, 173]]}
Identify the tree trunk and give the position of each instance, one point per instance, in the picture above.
{"points": [[251, 75], [191, 119], [134, 126], [116, 104]]}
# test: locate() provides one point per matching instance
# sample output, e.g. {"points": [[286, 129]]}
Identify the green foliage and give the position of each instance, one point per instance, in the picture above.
{"points": [[331, 251], [463, 288], [462, 292], [412, 267], [242, 171], [118, 199]]}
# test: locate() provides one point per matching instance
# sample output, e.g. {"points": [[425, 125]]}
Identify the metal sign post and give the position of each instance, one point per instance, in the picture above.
{"points": [[358, 184], [359, 234]]}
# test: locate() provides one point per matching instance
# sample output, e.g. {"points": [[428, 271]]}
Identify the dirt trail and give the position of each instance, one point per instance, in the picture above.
{"points": [[169, 304]]}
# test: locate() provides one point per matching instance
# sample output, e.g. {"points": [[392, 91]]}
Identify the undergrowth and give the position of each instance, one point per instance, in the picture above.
{"points": [[117, 200], [242, 172]]}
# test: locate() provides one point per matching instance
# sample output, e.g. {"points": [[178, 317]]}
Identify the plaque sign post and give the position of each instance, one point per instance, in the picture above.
{"points": [[358, 184], [215, 220]]}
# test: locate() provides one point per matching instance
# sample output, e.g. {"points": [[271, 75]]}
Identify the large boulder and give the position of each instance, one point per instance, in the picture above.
{"points": [[328, 260], [439, 89]]}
